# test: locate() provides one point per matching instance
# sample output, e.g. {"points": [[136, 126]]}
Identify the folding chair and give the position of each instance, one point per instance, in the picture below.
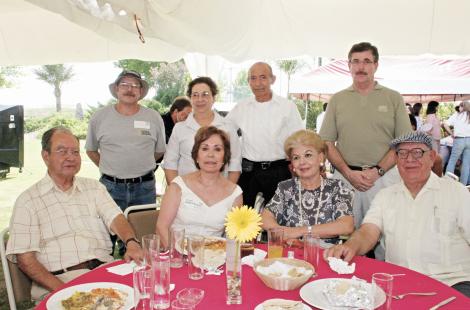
{"points": [[259, 206], [18, 284], [452, 176], [143, 218]]}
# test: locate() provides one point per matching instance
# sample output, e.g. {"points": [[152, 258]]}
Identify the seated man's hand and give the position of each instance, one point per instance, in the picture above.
{"points": [[343, 251], [134, 252]]}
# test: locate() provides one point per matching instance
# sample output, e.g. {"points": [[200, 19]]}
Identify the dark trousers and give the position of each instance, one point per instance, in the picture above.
{"points": [[262, 180], [463, 287]]}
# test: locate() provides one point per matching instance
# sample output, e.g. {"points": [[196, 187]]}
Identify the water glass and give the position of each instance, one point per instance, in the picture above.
{"points": [[275, 242], [196, 257], [312, 250], [151, 248], [176, 242], [383, 282], [142, 286], [177, 305], [160, 281]]}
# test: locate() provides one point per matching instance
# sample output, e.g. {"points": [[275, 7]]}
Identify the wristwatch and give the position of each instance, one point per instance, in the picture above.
{"points": [[381, 171], [131, 239]]}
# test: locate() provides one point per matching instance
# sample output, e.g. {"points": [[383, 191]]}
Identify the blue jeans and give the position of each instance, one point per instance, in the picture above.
{"points": [[129, 194], [461, 147]]}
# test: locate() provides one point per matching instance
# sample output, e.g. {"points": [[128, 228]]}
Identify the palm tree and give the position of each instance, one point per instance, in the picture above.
{"points": [[55, 75], [289, 67]]}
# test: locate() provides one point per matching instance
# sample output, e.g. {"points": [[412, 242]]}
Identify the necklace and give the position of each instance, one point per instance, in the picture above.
{"points": [[301, 209]]}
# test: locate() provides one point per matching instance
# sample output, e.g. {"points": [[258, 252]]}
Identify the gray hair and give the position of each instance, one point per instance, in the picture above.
{"points": [[47, 136]]}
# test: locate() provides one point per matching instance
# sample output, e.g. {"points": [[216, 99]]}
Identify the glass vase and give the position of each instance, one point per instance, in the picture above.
{"points": [[233, 272]]}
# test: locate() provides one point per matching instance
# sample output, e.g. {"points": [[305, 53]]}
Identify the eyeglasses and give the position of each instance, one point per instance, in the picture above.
{"points": [[125, 85], [366, 62], [203, 95], [65, 152], [416, 153]]}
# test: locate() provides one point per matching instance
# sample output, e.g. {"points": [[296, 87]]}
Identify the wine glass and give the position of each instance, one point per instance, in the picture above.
{"points": [[190, 296]]}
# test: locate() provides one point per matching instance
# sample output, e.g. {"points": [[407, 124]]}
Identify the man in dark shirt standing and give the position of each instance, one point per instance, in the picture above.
{"points": [[179, 111]]}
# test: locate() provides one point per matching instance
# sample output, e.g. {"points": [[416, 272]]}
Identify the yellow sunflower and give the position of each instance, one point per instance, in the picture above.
{"points": [[242, 224]]}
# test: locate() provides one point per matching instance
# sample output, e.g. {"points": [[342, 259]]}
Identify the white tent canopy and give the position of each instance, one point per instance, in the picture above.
{"points": [[416, 78], [59, 31]]}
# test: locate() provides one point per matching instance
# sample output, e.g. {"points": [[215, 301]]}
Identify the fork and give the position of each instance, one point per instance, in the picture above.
{"points": [[401, 296]]}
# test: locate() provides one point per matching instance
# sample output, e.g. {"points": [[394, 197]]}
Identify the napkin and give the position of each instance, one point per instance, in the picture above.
{"points": [[282, 304], [122, 269], [340, 266], [250, 260]]}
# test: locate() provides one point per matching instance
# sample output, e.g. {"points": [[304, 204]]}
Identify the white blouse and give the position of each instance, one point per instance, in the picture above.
{"points": [[196, 217], [178, 151], [461, 124]]}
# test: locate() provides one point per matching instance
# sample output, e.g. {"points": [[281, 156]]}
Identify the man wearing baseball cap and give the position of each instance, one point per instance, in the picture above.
{"points": [[124, 140], [425, 220]]}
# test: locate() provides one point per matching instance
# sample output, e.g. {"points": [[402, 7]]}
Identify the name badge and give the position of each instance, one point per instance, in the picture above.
{"points": [[141, 125], [383, 108]]}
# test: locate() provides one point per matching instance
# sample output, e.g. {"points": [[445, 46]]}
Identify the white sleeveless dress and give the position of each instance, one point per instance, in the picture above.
{"points": [[198, 218]]}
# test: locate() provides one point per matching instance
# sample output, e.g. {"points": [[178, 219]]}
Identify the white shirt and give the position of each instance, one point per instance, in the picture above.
{"points": [[460, 123], [178, 151], [320, 121], [429, 234], [265, 126]]}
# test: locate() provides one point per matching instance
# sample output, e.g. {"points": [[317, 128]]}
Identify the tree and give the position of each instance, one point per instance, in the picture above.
{"points": [[168, 79], [55, 75], [289, 67], [241, 89], [6, 74]]}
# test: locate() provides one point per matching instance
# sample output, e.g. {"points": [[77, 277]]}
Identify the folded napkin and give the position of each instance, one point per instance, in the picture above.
{"points": [[250, 260], [340, 266], [122, 269]]}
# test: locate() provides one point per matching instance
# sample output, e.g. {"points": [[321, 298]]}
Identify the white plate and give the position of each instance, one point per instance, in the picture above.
{"points": [[260, 306], [54, 303], [312, 293]]}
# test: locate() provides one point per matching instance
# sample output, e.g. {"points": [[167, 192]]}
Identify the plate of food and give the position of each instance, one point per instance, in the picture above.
{"points": [[97, 295], [340, 294], [282, 304], [214, 252]]}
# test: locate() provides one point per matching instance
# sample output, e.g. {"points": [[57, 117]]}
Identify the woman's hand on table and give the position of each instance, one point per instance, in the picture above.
{"points": [[134, 252]]}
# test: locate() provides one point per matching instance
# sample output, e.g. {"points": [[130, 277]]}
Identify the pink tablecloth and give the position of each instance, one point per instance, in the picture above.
{"points": [[255, 292]]}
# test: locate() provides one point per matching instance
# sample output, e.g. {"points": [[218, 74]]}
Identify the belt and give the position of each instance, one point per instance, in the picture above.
{"points": [[360, 168], [265, 165], [89, 264], [148, 177]]}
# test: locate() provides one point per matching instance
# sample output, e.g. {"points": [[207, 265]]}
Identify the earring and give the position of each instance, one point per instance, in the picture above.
{"points": [[293, 169], [321, 165]]}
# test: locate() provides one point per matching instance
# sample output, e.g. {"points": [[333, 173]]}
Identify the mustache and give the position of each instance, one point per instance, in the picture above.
{"points": [[361, 73], [129, 94]]}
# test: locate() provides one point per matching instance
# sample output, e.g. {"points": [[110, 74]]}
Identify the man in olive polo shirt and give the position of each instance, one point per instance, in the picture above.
{"points": [[359, 124]]}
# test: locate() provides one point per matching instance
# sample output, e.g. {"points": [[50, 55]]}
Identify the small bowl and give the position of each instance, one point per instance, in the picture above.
{"points": [[284, 283], [190, 296]]}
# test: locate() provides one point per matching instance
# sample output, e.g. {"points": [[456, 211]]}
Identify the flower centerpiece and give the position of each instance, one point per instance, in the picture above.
{"points": [[242, 224]]}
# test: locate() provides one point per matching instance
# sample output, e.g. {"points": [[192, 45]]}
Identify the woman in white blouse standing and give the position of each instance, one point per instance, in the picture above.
{"points": [[177, 160], [461, 147]]}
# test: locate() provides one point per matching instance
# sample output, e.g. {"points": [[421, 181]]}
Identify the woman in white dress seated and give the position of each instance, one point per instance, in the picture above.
{"points": [[199, 201], [308, 202]]}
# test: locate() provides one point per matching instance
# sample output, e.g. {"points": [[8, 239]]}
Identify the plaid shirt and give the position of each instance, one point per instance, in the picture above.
{"points": [[63, 228]]}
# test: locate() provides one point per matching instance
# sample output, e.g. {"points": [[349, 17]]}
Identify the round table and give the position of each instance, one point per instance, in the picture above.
{"points": [[255, 292]]}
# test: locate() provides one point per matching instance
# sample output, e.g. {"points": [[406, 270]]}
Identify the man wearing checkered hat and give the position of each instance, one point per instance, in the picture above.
{"points": [[425, 219]]}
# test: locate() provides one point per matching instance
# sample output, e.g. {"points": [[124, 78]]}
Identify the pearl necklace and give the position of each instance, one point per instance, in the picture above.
{"points": [[300, 201]]}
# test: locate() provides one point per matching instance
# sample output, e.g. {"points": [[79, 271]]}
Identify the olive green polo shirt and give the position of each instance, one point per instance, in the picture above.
{"points": [[363, 126]]}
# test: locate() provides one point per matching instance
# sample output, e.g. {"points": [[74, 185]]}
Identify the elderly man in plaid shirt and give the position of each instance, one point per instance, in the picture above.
{"points": [[60, 226]]}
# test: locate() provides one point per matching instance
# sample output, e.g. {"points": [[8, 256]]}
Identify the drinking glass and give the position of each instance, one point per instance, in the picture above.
{"points": [[176, 241], [151, 248], [247, 248], [196, 257], [275, 240], [384, 282], [190, 296], [176, 305], [142, 286], [160, 281], [312, 250]]}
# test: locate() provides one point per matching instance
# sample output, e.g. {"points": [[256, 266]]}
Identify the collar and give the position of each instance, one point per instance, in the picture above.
{"points": [[46, 184], [377, 86], [191, 122], [432, 184]]}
